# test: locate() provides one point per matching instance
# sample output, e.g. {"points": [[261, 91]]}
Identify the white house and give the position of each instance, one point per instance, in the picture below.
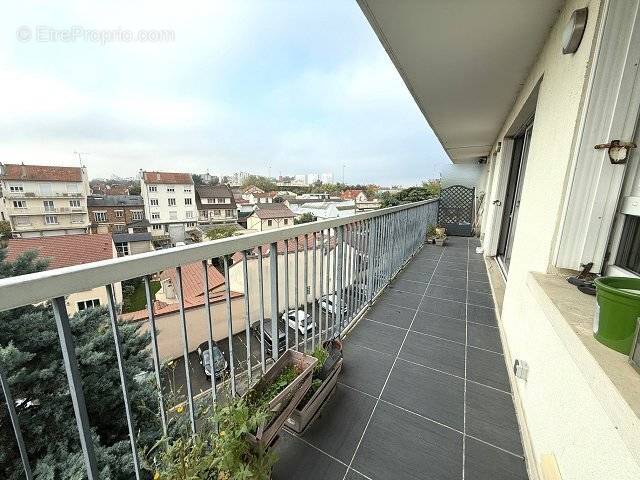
{"points": [[44, 200], [540, 93], [170, 203], [269, 216]]}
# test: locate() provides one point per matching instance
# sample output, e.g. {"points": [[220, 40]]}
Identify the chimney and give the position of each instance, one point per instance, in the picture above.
{"points": [[23, 170]]}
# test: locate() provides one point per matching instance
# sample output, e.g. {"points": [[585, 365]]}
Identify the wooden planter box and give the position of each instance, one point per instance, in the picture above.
{"points": [[299, 419], [440, 241], [282, 404]]}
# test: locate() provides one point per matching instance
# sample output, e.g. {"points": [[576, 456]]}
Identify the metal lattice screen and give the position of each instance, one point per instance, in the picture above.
{"points": [[455, 212]]}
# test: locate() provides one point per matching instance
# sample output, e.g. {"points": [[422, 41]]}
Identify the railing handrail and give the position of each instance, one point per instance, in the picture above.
{"points": [[37, 287]]}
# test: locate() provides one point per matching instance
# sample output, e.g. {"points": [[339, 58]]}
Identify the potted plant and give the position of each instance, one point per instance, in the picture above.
{"points": [[279, 391], [323, 384], [440, 236], [431, 234]]}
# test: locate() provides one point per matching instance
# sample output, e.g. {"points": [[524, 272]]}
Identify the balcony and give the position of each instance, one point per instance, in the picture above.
{"points": [[424, 391], [45, 210]]}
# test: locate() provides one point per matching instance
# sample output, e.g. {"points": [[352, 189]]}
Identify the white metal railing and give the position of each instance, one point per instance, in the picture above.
{"points": [[358, 255]]}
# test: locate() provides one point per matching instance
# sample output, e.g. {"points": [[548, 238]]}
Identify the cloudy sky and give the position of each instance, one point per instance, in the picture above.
{"points": [[290, 86]]}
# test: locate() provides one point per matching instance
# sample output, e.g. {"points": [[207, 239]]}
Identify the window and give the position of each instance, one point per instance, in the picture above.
{"points": [[119, 228], [154, 202], [227, 213], [101, 217], [22, 220], [171, 188], [72, 187], [153, 188], [269, 223], [191, 224], [629, 251], [74, 203], [187, 189], [189, 214], [45, 188], [19, 204], [155, 216], [48, 206], [50, 219], [211, 200], [173, 215], [187, 201], [119, 213], [122, 248], [88, 304], [156, 227], [16, 188], [77, 219], [137, 215], [227, 200], [220, 200], [171, 202], [286, 221]]}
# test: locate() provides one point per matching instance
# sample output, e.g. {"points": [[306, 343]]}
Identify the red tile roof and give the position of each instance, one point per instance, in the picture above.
{"points": [[167, 178], [237, 257], [350, 194], [48, 173], [64, 250]]}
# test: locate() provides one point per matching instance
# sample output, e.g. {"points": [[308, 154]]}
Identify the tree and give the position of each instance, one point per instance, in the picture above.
{"points": [[263, 183], [305, 218], [215, 180], [5, 230], [429, 189], [31, 357], [197, 179], [134, 189], [222, 231]]}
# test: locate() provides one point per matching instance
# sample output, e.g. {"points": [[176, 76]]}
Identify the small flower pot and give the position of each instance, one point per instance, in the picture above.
{"points": [[282, 404]]}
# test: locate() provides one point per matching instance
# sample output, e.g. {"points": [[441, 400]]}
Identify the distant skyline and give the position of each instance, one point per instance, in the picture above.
{"points": [[290, 87]]}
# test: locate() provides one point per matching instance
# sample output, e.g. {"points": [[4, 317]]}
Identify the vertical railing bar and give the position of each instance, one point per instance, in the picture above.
{"points": [[358, 267], [305, 286], [247, 313], [207, 308], [322, 250], [296, 294], [15, 423], [349, 274], [75, 385], [286, 290], [185, 350], [117, 340], [275, 313], [353, 240], [339, 269], [154, 351], [261, 309], [232, 366], [314, 287], [345, 275], [334, 272], [369, 266]]}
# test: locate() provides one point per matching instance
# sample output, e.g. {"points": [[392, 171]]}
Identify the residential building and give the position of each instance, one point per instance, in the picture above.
{"points": [[323, 210], [43, 200], [68, 251], [216, 204], [356, 195], [238, 178], [113, 213], [268, 216], [132, 243], [101, 188], [170, 204]]}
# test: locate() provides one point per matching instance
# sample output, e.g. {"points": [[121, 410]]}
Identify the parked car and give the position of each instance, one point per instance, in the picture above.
{"points": [[282, 336], [219, 362], [326, 303], [298, 319]]}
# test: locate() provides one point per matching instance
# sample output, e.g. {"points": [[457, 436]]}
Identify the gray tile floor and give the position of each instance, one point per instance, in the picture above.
{"points": [[424, 392]]}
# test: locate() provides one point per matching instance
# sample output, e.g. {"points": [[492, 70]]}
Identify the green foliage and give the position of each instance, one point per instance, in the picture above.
{"points": [[5, 230], [30, 354], [321, 354], [222, 231], [259, 398], [197, 179], [429, 189], [263, 183], [134, 189], [304, 218], [134, 297]]}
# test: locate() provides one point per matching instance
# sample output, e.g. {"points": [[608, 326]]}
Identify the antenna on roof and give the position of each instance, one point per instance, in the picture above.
{"points": [[79, 154]]}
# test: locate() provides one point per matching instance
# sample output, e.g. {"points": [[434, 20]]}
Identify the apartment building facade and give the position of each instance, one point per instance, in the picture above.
{"points": [[113, 213], [43, 200], [169, 203], [216, 204]]}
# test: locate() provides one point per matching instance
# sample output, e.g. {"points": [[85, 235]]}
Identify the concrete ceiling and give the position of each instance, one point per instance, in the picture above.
{"points": [[464, 61]]}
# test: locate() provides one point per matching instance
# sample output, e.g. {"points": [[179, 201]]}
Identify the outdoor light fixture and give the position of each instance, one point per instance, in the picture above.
{"points": [[618, 151], [574, 30]]}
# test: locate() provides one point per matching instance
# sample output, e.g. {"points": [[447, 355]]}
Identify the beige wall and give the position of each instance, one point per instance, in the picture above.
{"points": [[560, 412], [170, 327], [254, 223], [99, 293]]}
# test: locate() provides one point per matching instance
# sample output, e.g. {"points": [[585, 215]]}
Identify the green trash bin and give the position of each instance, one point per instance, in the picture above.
{"points": [[614, 324]]}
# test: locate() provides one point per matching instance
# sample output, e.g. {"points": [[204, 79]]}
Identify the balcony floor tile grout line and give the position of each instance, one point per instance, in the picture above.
{"points": [[388, 376], [449, 299], [466, 342]]}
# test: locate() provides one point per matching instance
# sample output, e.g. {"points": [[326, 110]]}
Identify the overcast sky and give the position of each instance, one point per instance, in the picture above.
{"points": [[297, 86]]}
